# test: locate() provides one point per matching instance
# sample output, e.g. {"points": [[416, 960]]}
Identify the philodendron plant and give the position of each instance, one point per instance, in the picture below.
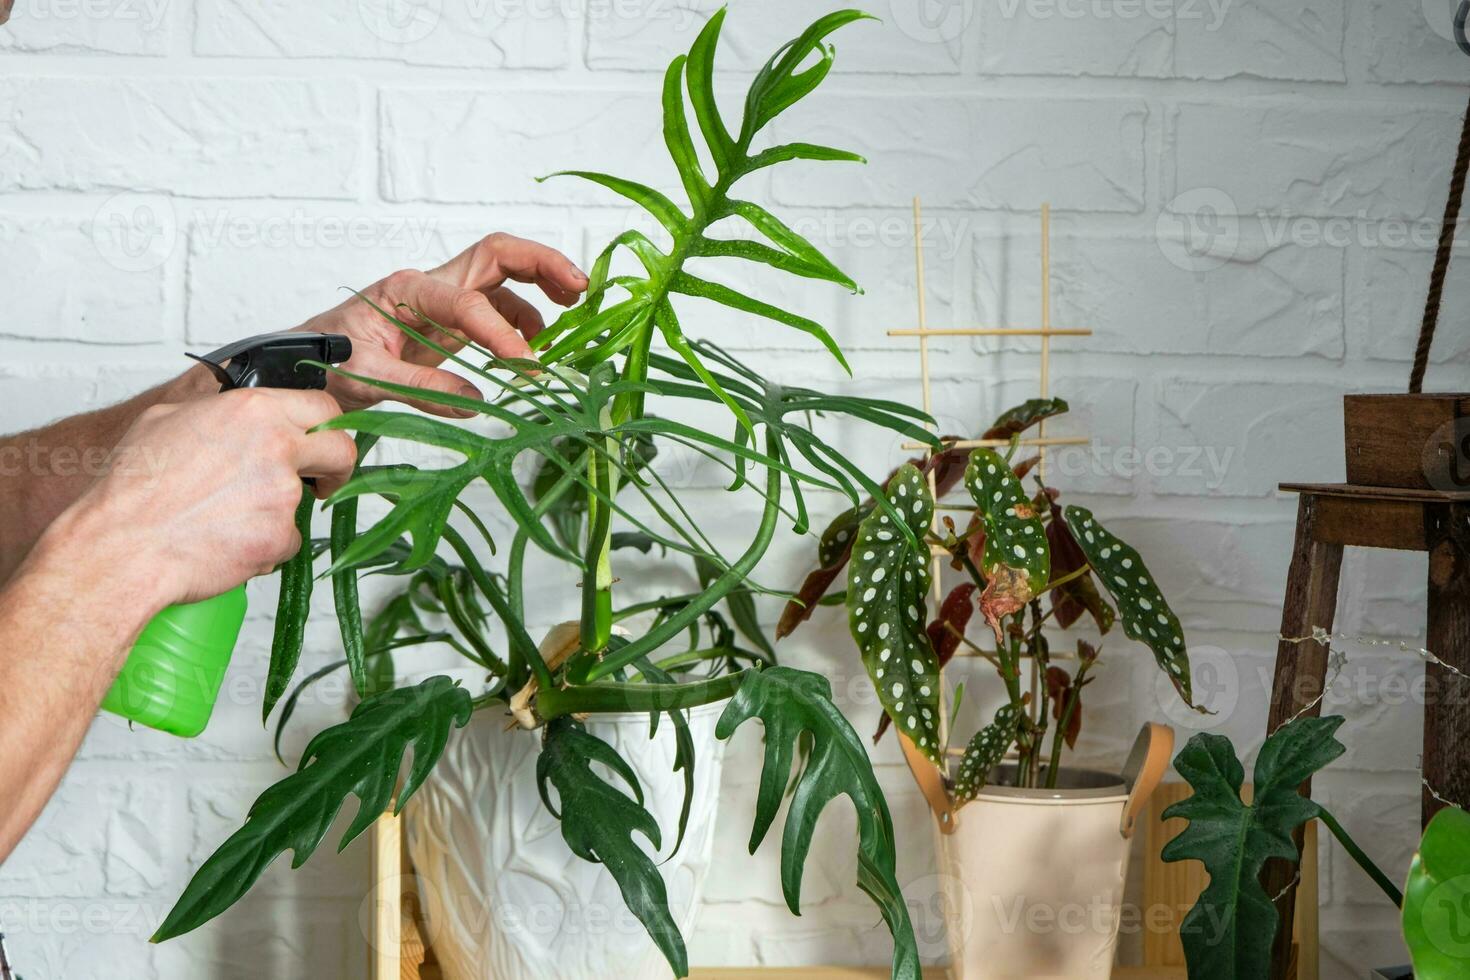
{"points": [[1017, 550], [1229, 932], [584, 413]]}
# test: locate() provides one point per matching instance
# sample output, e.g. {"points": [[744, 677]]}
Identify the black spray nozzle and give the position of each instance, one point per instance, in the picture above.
{"points": [[274, 360]]}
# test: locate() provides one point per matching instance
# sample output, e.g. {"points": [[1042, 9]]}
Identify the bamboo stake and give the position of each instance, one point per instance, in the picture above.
{"points": [[924, 334]]}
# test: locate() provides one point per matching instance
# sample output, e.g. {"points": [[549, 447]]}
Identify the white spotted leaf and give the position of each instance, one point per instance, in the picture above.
{"points": [[1145, 614], [1014, 536], [887, 585], [985, 751]]}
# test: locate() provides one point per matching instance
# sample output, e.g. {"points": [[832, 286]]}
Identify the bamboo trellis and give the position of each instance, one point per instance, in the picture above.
{"points": [[1040, 441]]}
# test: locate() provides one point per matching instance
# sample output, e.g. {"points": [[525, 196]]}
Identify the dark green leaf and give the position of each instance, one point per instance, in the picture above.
{"points": [[985, 751], [598, 821], [1227, 934], [1017, 420], [741, 604], [359, 757], [887, 588], [292, 608], [1146, 614], [1014, 537], [793, 704]]}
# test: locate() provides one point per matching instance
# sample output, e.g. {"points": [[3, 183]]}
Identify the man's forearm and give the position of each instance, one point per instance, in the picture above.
{"points": [[67, 622], [44, 470]]}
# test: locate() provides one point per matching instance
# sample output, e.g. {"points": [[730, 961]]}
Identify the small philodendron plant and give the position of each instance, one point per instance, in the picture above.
{"points": [[584, 415], [1229, 932], [1016, 551]]}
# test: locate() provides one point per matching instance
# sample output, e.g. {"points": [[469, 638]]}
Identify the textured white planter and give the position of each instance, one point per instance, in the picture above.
{"points": [[504, 896], [1034, 880]]}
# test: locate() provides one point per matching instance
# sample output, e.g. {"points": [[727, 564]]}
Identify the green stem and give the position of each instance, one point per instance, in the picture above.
{"points": [[659, 603], [1068, 709], [1366, 863], [519, 638], [555, 702], [717, 590]]}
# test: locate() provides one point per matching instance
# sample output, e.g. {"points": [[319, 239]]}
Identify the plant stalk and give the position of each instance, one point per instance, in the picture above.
{"points": [[1364, 861], [555, 702]]}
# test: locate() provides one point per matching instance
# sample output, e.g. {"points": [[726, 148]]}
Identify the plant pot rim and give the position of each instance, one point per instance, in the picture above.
{"points": [[1088, 786]]}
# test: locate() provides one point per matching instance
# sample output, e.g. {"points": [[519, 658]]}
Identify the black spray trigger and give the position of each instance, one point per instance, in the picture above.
{"points": [[273, 360]]}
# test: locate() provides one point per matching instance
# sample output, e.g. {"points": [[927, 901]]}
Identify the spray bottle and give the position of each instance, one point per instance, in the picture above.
{"points": [[173, 674]]}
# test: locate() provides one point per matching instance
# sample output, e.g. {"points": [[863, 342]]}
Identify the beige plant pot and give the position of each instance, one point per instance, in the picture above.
{"points": [[1034, 880]]}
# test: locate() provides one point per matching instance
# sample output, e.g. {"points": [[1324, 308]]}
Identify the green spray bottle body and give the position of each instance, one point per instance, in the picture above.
{"points": [[172, 677]]}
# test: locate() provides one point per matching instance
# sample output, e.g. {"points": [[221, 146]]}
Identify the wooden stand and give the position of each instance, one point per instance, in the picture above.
{"points": [[1329, 517]]}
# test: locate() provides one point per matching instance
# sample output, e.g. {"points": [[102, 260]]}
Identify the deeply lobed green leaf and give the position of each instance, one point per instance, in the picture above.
{"points": [[599, 821], [1227, 935], [360, 757], [795, 706]]}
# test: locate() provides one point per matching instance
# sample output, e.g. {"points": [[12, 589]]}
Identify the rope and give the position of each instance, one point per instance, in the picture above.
{"points": [[1446, 229]]}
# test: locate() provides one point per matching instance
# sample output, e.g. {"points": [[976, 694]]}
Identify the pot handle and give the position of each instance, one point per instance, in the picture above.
{"points": [[1145, 768], [931, 783]]}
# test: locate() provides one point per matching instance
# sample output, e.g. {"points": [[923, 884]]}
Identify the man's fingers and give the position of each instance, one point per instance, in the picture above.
{"points": [[521, 314], [465, 311], [304, 409], [386, 367], [495, 258], [328, 458]]}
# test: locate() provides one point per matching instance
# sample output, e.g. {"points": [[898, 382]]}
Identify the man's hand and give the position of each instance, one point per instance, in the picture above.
{"points": [[204, 495], [200, 498], [467, 295]]}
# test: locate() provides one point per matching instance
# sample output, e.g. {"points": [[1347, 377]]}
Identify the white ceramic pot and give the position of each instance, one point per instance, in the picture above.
{"points": [[504, 897], [1034, 879]]}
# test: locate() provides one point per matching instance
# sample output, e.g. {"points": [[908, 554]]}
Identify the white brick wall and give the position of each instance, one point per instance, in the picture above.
{"points": [[1244, 196]]}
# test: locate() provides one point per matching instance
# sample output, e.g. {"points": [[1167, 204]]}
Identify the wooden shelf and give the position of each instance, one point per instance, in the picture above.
{"points": [[857, 973]]}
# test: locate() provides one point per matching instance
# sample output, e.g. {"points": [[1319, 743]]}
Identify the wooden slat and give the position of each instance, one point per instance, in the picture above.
{"points": [[1378, 493], [1446, 766], [882, 973], [385, 956], [1364, 523], [1301, 673]]}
